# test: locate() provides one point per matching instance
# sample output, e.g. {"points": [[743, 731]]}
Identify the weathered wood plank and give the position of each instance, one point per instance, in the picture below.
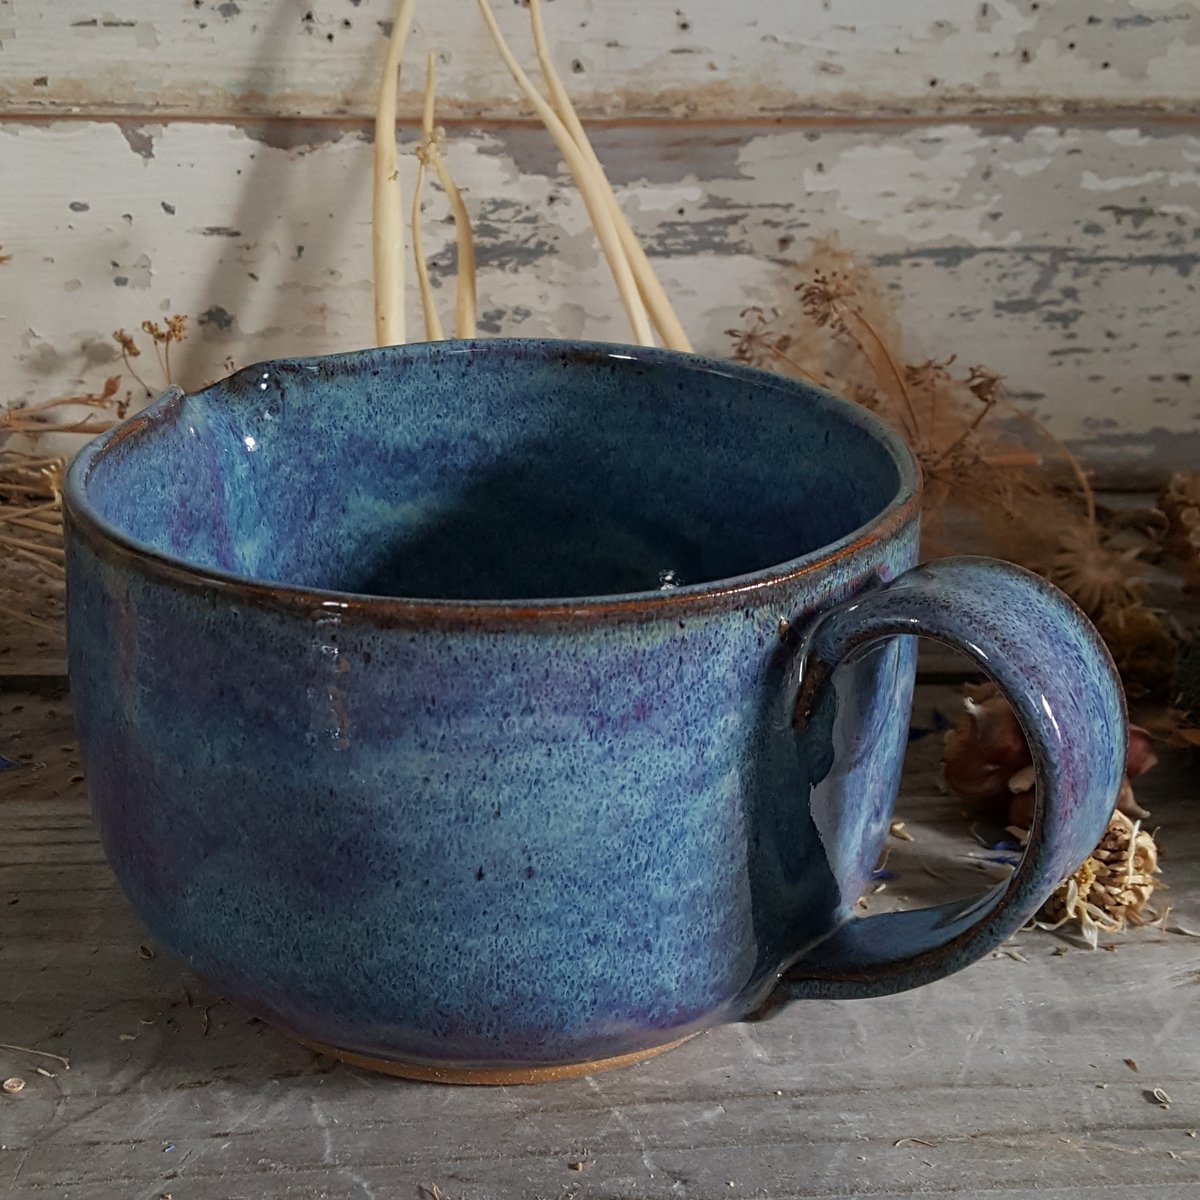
{"points": [[1065, 258], [623, 58], [1005, 1082]]}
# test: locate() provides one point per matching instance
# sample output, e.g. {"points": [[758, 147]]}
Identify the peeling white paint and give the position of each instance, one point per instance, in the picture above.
{"points": [[1066, 259], [920, 189], [691, 57]]}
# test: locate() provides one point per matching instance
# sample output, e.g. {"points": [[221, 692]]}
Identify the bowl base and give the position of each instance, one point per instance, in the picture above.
{"points": [[487, 1076]]}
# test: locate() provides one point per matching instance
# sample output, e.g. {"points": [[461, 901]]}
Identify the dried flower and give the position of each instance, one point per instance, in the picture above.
{"points": [[930, 372], [985, 748], [827, 299], [758, 344], [986, 761], [1112, 886], [986, 386], [1095, 576]]}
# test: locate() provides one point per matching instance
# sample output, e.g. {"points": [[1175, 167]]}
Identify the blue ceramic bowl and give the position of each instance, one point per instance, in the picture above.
{"points": [[469, 710]]}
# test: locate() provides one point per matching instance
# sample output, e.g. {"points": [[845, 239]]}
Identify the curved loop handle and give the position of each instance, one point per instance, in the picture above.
{"points": [[1057, 674]]}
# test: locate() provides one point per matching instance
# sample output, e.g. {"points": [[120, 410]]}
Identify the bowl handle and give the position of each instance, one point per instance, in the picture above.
{"points": [[1057, 674]]}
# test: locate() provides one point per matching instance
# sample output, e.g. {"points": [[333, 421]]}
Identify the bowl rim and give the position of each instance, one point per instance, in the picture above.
{"points": [[82, 522]]}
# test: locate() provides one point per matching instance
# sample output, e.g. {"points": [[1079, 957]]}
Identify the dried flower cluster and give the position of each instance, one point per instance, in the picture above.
{"points": [[1112, 887], [162, 337], [31, 479], [986, 761], [996, 478]]}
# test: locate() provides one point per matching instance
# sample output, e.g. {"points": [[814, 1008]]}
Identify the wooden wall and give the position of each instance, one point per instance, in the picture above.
{"points": [[1024, 178]]}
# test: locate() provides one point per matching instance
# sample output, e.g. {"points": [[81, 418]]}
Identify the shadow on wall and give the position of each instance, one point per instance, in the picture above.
{"points": [[270, 241]]}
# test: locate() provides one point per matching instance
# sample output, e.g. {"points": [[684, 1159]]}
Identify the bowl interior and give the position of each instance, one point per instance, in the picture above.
{"points": [[493, 470]]}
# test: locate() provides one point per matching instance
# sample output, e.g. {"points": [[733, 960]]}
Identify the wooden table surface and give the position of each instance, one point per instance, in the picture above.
{"points": [[1029, 1075]]}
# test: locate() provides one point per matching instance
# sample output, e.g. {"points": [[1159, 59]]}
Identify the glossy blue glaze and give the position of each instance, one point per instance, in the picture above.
{"points": [[394, 734]]}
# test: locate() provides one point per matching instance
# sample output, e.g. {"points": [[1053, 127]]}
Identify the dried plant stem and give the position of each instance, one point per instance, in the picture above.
{"points": [[58, 402], [785, 358], [1011, 458], [433, 323], [962, 439], [892, 367], [24, 514], [129, 367], [46, 564], [28, 523], [388, 198], [36, 547], [87, 425], [157, 352], [649, 287], [465, 299], [465, 302], [585, 180], [1085, 485], [15, 614], [30, 462], [66, 1062]]}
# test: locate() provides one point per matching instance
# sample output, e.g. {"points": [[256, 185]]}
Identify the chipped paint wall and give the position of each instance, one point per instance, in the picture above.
{"points": [[1024, 178]]}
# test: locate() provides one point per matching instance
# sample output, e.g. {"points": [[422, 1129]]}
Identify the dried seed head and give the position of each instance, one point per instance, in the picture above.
{"points": [[929, 372], [1095, 576], [986, 386], [828, 299]]}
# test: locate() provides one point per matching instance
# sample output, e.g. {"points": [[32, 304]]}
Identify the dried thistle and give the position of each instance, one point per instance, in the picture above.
{"points": [[1097, 577], [1112, 887]]}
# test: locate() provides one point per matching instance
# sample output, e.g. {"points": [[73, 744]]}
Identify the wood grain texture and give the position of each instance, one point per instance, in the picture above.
{"points": [[624, 58], [1005, 1082], [1065, 258]]}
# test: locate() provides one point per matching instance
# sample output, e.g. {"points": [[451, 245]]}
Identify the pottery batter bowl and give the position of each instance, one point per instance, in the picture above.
{"points": [[500, 711]]}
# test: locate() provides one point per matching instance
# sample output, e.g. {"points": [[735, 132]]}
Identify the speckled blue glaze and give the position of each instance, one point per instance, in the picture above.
{"points": [[393, 734]]}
